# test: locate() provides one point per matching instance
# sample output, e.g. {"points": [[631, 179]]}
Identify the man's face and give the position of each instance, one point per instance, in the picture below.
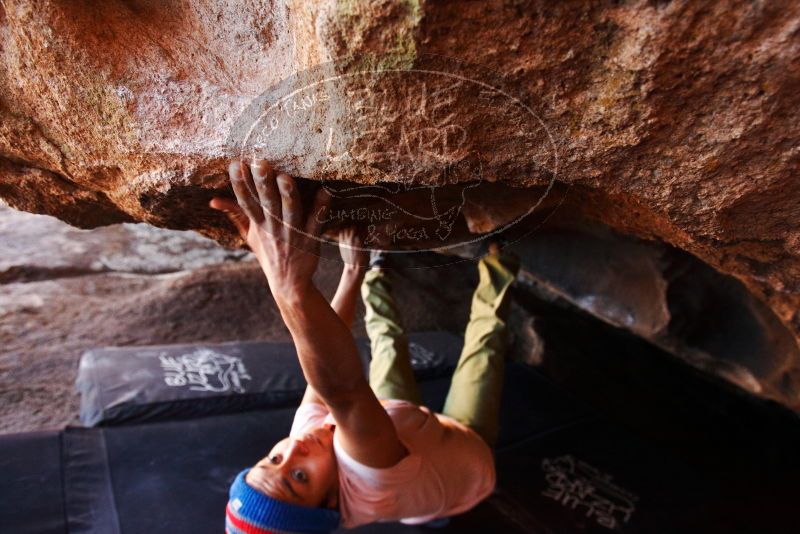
{"points": [[300, 470]]}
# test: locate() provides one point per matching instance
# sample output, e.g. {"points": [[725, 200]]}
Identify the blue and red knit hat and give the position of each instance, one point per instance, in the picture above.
{"points": [[251, 512]]}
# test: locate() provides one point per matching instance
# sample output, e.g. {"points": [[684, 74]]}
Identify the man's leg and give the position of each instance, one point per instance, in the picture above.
{"points": [[474, 396], [390, 374]]}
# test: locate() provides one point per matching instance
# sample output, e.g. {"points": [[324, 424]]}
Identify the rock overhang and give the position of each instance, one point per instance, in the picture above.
{"points": [[670, 121]]}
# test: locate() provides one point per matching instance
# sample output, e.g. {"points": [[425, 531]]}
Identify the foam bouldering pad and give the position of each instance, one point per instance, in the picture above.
{"points": [[571, 472], [31, 484], [120, 385], [179, 471], [101, 479], [594, 477], [560, 469]]}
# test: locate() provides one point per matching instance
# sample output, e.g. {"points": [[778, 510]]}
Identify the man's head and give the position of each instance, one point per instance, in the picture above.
{"points": [[295, 488], [300, 470]]}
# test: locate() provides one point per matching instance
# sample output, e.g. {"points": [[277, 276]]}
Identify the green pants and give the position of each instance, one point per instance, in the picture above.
{"points": [[476, 387]]}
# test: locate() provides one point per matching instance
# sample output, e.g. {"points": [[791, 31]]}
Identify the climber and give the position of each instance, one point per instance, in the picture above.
{"points": [[362, 451]]}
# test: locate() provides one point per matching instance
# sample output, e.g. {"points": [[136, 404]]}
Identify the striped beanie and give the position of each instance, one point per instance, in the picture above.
{"points": [[251, 512]]}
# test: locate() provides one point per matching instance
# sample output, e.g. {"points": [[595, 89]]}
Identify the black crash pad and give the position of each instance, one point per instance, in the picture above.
{"points": [[31, 485], [179, 471], [173, 476], [121, 385], [560, 469]]}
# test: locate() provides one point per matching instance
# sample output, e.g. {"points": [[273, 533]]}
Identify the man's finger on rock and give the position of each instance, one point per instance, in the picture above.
{"points": [[234, 213], [319, 211], [239, 174], [268, 195], [291, 206]]}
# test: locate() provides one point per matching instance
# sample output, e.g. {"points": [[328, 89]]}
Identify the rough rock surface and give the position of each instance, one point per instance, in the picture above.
{"points": [[664, 295], [43, 248], [675, 121]]}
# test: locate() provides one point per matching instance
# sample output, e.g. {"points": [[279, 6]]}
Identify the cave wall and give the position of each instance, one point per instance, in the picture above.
{"points": [[675, 121]]}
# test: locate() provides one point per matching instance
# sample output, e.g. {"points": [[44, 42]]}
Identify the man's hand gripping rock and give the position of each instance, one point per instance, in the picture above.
{"points": [[268, 213]]}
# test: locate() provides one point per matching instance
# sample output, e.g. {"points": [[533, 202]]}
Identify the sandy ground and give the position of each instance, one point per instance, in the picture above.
{"points": [[63, 291]]}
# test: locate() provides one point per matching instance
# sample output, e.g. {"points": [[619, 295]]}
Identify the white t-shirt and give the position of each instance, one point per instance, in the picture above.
{"points": [[449, 468]]}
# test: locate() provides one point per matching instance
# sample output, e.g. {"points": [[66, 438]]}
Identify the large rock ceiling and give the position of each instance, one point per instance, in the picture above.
{"points": [[674, 121]]}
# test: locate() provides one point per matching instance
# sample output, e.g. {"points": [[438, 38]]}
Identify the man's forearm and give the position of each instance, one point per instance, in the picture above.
{"points": [[325, 346], [346, 298]]}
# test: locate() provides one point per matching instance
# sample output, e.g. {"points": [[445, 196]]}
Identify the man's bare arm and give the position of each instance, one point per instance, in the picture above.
{"points": [[355, 261], [329, 358], [268, 212], [344, 302]]}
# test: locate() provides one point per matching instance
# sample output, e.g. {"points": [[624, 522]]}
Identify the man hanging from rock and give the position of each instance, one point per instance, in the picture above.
{"points": [[362, 450]]}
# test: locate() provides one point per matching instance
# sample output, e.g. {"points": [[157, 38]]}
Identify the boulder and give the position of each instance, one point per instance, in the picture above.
{"points": [[432, 122]]}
